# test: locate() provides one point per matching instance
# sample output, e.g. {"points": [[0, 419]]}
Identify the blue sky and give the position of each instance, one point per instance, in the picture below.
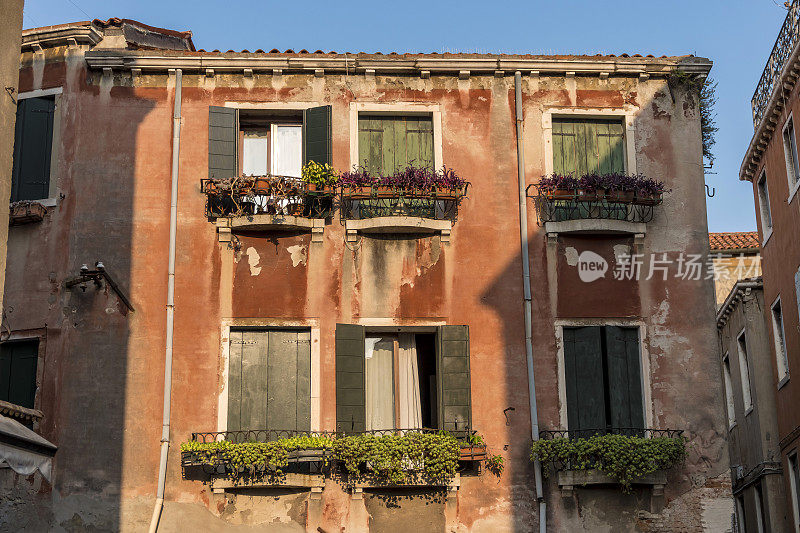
{"points": [[736, 34]]}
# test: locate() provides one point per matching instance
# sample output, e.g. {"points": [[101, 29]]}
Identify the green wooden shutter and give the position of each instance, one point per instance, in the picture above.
{"points": [[583, 368], [317, 145], [223, 137], [18, 362], [289, 380], [624, 378], [247, 380], [351, 414], [453, 368], [33, 144], [583, 146], [387, 144]]}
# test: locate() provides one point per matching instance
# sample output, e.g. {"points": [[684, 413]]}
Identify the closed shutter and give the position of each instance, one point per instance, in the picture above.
{"points": [[33, 143], [317, 144], [389, 144], [624, 378], [584, 146], [351, 412], [583, 367], [223, 136], [455, 399], [18, 373], [269, 380]]}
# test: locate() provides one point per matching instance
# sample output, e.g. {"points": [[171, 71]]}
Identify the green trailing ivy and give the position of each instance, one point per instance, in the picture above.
{"points": [[495, 464], [621, 457], [388, 458]]}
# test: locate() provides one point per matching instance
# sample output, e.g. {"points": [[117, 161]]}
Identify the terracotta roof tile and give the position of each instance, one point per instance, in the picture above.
{"points": [[741, 240]]}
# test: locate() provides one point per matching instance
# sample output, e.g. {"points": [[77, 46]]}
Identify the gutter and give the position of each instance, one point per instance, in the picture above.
{"points": [[526, 287], [173, 227]]}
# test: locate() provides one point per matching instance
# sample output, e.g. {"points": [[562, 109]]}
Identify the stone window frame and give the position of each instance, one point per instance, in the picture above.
{"points": [[779, 345], [56, 93], [627, 114], [39, 335], [743, 359], [312, 325], [730, 398], [790, 156], [794, 485], [644, 362], [398, 109], [764, 207]]}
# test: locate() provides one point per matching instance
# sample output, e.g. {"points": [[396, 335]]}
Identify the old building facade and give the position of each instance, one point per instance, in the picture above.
{"points": [[307, 319], [736, 256], [771, 164]]}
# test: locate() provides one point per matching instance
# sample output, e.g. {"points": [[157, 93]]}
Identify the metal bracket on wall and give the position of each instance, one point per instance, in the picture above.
{"points": [[11, 91], [96, 276]]}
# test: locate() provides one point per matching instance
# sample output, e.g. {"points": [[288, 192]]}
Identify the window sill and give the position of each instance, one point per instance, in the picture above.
{"points": [[398, 225], [568, 480], [265, 222], [596, 226], [793, 192], [749, 410], [455, 483], [784, 380], [766, 238], [288, 480]]}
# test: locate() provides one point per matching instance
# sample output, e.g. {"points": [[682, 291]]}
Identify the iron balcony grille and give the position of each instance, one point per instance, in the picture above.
{"points": [[275, 195], [784, 45], [562, 209], [372, 202], [269, 435]]}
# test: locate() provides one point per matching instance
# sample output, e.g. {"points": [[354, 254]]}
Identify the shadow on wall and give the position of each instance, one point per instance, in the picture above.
{"points": [[88, 364]]}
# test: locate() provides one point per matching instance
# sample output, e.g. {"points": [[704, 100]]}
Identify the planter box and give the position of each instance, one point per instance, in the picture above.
{"points": [[26, 213], [472, 453]]}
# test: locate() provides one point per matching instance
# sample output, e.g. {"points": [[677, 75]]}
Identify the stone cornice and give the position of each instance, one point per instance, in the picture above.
{"points": [[765, 129], [264, 62], [64, 35], [741, 289]]}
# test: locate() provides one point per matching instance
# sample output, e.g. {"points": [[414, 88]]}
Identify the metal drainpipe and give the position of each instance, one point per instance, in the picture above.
{"points": [[526, 286], [173, 227]]}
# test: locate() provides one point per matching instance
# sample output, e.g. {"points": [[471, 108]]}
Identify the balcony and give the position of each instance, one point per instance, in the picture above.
{"points": [[26, 212], [268, 203], [266, 458]]}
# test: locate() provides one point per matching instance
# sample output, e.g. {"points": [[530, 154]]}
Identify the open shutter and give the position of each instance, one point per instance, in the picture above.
{"points": [[223, 136], [317, 135], [455, 399], [351, 412], [624, 378], [33, 143], [583, 368]]}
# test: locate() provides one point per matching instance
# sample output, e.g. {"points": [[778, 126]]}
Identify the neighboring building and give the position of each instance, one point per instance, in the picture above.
{"points": [[772, 164], [308, 316], [746, 362], [736, 256]]}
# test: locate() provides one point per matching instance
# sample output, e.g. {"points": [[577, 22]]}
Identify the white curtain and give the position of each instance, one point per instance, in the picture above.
{"points": [[379, 367], [287, 150], [410, 406], [254, 154]]}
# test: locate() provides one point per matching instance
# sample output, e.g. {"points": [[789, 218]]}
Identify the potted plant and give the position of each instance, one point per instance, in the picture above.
{"points": [[356, 183], [262, 184], [319, 177], [649, 191], [558, 186]]}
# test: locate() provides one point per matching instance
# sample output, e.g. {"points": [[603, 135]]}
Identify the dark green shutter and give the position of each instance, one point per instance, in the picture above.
{"points": [[624, 378], [269, 380], [223, 137], [455, 399], [33, 144], [388, 144], [317, 145], [581, 146], [18, 372], [351, 414], [583, 368]]}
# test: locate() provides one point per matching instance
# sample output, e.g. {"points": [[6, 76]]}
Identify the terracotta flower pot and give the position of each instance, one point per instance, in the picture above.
{"points": [[561, 194], [586, 195], [262, 185]]}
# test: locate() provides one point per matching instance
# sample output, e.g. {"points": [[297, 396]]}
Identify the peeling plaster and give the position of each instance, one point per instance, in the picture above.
{"points": [[621, 252], [299, 254], [572, 256], [252, 259]]}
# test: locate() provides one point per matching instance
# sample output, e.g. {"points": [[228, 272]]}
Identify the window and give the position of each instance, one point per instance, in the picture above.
{"points": [[794, 486], [402, 379], [726, 366], [400, 384], [266, 141], [763, 205], [790, 152], [18, 362], [603, 379], [269, 380], [740, 516], [390, 143], [33, 144], [582, 145], [760, 519], [780, 340], [744, 370]]}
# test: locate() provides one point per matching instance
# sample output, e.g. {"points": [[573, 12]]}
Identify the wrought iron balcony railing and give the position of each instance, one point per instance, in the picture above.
{"points": [[784, 45], [276, 195], [561, 209], [372, 202]]}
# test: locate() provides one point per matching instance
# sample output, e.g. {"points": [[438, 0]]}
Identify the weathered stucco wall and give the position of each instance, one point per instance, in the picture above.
{"points": [[101, 390]]}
